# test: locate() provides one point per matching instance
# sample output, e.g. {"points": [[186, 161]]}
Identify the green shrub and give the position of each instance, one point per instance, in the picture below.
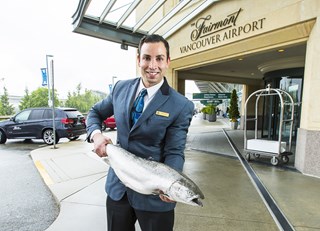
{"points": [[233, 108]]}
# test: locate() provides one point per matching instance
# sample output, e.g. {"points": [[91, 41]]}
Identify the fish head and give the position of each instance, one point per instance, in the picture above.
{"points": [[185, 191]]}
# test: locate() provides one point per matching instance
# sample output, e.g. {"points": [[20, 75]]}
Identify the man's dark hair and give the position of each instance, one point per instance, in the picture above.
{"points": [[154, 38]]}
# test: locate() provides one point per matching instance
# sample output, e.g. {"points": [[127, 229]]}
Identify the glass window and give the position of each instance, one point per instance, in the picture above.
{"points": [[291, 81], [23, 116], [47, 114], [36, 114], [73, 114]]}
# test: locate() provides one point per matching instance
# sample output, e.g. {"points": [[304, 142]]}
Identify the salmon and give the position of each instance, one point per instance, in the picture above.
{"points": [[151, 177]]}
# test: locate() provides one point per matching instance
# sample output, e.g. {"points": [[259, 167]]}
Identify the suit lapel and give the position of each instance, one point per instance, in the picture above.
{"points": [[160, 98], [131, 91]]}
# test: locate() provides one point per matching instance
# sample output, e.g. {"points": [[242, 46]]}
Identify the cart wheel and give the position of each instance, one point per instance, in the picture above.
{"points": [[274, 161], [248, 157], [285, 159]]}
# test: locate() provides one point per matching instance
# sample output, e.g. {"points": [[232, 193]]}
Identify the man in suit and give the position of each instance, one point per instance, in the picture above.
{"points": [[159, 134]]}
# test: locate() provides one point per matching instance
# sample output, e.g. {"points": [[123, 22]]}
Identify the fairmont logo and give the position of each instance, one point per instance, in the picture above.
{"points": [[207, 32], [204, 27]]}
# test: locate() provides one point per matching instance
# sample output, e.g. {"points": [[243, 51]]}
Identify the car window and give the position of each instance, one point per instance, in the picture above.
{"points": [[73, 114], [47, 114], [22, 116], [36, 114]]}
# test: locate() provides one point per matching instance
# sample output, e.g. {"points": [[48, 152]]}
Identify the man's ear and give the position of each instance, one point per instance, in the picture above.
{"points": [[138, 60]]}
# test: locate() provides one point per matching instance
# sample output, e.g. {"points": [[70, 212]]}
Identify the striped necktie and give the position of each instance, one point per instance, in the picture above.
{"points": [[138, 106]]}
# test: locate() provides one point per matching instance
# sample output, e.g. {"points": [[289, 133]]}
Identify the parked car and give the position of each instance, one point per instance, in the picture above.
{"points": [[109, 123], [36, 123]]}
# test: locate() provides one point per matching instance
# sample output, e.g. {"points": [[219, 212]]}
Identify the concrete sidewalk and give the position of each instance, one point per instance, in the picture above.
{"points": [[76, 177], [77, 182]]}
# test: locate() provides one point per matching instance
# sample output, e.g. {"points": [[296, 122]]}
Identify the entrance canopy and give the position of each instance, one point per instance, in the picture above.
{"points": [[126, 21]]}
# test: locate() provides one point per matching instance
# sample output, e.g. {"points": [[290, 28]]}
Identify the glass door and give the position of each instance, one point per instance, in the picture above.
{"points": [[271, 109]]}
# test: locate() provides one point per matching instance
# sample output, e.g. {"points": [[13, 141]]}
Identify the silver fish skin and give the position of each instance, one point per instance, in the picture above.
{"points": [[150, 177]]}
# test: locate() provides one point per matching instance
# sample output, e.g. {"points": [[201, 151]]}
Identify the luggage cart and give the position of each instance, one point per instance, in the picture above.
{"points": [[278, 150]]}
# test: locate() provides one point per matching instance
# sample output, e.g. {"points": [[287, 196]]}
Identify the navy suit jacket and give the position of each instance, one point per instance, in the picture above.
{"points": [[159, 134]]}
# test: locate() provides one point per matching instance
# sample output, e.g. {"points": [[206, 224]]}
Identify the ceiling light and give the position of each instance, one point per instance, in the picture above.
{"points": [[281, 50]]}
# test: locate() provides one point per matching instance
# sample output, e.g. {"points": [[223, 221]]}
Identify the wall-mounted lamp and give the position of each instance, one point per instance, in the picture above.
{"points": [[124, 46]]}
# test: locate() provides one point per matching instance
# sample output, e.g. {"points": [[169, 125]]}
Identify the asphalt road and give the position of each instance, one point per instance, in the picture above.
{"points": [[25, 201]]}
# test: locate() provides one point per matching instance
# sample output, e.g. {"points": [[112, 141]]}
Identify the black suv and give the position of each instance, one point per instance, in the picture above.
{"points": [[36, 123]]}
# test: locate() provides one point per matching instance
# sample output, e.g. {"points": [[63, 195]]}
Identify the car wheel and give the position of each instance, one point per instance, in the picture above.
{"points": [[73, 138], [103, 126], [47, 137], [3, 137]]}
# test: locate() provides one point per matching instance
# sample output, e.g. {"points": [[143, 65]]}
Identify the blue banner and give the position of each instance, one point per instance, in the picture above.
{"points": [[44, 76]]}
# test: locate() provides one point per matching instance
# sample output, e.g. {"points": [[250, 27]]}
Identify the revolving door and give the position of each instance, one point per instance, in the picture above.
{"points": [[291, 81]]}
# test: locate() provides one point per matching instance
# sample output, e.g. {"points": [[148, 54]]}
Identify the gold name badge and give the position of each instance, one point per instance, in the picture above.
{"points": [[161, 113]]}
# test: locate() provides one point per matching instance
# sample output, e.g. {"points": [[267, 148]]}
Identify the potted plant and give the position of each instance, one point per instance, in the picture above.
{"points": [[204, 112], [211, 113], [234, 113]]}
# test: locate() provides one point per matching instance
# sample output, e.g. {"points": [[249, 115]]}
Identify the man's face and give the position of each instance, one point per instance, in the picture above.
{"points": [[153, 63]]}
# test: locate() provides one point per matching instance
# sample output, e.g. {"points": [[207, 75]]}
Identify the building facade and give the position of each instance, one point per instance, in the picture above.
{"points": [[277, 42], [249, 42]]}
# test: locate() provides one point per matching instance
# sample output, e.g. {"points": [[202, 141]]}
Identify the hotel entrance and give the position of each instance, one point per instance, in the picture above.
{"points": [[289, 80]]}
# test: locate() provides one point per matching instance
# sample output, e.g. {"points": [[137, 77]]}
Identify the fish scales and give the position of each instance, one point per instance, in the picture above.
{"points": [[151, 177]]}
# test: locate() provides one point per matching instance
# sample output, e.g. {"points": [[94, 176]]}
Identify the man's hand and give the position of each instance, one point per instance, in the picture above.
{"points": [[165, 198], [100, 142]]}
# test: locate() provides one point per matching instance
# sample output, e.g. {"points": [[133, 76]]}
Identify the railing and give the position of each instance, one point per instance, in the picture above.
{"points": [[5, 117]]}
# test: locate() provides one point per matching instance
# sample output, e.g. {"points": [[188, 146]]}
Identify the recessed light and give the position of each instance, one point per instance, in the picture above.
{"points": [[281, 50], [240, 59]]}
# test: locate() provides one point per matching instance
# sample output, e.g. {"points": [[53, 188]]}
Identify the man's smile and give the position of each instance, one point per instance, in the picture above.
{"points": [[152, 72]]}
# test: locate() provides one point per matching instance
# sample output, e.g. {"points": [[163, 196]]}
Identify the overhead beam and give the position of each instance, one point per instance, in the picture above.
{"points": [[218, 78], [80, 12], [190, 16], [131, 8], [168, 16], [106, 10], [222, 87], [149, 13], [91, 27]]}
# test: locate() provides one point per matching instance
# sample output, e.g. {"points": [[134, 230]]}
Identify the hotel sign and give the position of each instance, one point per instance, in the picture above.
{"points": [[207, 31], [211, 96], [212, 102]]}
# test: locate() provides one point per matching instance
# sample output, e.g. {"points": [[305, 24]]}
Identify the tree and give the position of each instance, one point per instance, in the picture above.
{"points": [[5, 107], [38, 98], [83, 102], [25, 101], [234, 109]]}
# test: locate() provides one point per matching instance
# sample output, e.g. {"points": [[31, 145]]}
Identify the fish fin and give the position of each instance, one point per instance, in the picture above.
{"points": [[166, 196], [157, 192], [160, 192]]}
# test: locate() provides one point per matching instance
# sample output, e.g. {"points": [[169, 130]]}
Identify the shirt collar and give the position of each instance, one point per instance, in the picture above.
{"points": [[151, 90]]}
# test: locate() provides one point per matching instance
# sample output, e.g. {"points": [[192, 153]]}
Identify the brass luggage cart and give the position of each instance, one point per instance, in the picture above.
{"points": [[278, 150]]}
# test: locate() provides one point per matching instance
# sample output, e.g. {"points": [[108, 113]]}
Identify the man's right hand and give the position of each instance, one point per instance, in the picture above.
{"points": [[100, 141]]}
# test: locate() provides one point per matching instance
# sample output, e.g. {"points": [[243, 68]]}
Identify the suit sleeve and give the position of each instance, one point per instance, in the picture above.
{"points": [[176, 137], [99, 112]]}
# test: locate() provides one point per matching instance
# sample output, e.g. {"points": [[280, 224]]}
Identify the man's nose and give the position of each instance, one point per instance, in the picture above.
{"points": [[152, 64]]}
